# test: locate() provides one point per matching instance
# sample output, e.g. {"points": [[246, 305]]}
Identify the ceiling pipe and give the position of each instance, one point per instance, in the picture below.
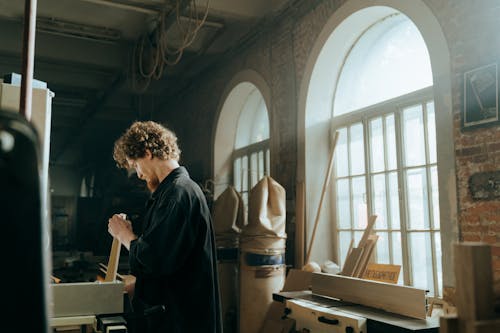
{"points": [[28, 58]]}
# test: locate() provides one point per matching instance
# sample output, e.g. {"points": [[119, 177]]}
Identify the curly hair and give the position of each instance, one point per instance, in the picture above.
{"points": [[142, 136]]}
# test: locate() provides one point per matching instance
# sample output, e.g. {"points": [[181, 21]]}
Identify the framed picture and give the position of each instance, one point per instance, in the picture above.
{"points": [[481, 97]]}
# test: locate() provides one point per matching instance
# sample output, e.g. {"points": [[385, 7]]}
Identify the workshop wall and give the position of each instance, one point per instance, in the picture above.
{"points": [[279, 52], [472, 35]]}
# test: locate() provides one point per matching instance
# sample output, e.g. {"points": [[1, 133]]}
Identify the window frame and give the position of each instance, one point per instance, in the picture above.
{"points": [[395, 107], [247, 151]]}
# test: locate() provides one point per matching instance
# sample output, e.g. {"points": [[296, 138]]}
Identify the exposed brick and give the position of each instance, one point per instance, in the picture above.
{"points": [[469, 151], [494, 147], [480, 158], [471, 237], [490, 239], [495, 250]]}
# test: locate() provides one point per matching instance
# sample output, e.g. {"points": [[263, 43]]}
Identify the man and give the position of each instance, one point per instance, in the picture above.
{"points": [[174, 260]]}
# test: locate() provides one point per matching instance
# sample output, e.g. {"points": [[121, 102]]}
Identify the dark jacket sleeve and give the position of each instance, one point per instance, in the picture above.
{"points": [[167, 241]]}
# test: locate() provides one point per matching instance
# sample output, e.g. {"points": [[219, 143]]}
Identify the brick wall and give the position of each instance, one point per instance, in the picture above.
{"points": [[472, 34]]}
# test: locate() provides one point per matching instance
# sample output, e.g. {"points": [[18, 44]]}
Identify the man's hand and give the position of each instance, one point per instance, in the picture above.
{"points": [[120, 228]]}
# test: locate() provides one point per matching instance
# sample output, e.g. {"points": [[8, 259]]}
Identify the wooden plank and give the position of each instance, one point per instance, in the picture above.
{"points": [[368, 230], [349, 250], [474, 281], [398, 299], [366, 256], [114, 258], [297, 280], [355, 255], [300, 225], [351, 262]]}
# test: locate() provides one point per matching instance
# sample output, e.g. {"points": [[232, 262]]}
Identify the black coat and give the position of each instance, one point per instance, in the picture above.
{"points": [[174, 260]]}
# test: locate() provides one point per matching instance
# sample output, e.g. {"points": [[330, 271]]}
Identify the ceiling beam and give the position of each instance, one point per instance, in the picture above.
{"points": [[101, 98], [89, 111], [135, 6]]}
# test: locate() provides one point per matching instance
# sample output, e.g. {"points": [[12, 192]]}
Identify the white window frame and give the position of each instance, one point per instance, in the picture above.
{"points": [[394, 106], [261, 148]]}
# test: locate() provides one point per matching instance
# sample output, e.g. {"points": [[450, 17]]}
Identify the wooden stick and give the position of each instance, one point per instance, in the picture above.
{"points": [[299, 225], [114, 258], [352, 261], [368, 230], [349, 250], [104, 269], [323, 192], [366, 256]]}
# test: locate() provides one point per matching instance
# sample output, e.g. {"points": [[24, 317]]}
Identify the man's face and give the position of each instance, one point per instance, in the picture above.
{"points": [[144, 169]]}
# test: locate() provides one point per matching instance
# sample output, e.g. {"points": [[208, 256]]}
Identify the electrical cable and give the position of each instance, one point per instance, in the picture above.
{"points": [[152, 52]]}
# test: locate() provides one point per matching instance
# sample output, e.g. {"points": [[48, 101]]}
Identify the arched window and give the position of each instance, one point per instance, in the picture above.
{"points": [[251, 148], [388, 60], [386, 161], [242, 137]]}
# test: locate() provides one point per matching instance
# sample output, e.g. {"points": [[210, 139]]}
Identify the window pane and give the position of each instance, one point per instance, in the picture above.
{"points": [[383, 248], [439, 263], [379, 64], [435, 197], [391, 142], [237, 174], [431, 131], [253, 170], [377, 145], [244, 173], [341, 158], [379, 201], [261, 165], [268, 162], [260, 129], [359, 202], [357, 149], [345, 239], [253, 122], [413, 133], [421, 261], [343, 206], [357, 237], [244, 197], [416, 194], [397, 255], [394, 201]]}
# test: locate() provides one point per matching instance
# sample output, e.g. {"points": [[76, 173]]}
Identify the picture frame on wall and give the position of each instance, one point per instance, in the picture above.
{"points": [[481, 97]]}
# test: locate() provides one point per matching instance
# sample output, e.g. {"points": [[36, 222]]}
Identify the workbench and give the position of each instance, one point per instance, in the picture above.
{"points": [[377, 321]]}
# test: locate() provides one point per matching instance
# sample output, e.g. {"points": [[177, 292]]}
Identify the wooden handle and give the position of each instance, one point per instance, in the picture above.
{"points": [[114, 258]]}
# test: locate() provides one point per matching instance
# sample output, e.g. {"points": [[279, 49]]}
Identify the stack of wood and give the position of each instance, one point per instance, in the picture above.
{"points": [[358, 257], [474, 292]]}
